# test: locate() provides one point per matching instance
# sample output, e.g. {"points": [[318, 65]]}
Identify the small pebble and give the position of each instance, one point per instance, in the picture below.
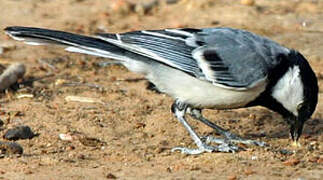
{"points": [[320, 161], [313, 159], [249, 172], [70, 148], [300, 178], [10, 148], [19, 132], [254, 158], [92, 142], [286, 152], [233, 177], [122, 7], [106, 63], [111, 176], [1, 123], [247, 2], [60, 82], [65, 137], [291, 162], [28, 172]]}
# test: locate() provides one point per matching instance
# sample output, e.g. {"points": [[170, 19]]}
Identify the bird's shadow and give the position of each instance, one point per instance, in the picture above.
{"points": [[312, 128]]}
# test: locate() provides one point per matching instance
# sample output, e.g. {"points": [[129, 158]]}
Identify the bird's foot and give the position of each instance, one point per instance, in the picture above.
{"points": [[224, 147], [231, 138]]}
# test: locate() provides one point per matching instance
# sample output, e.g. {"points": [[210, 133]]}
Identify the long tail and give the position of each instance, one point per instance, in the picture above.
{"points": [[72, 42]]}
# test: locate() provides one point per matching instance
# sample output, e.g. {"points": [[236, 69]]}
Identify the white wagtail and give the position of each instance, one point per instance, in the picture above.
{"points": [[213, 68]]}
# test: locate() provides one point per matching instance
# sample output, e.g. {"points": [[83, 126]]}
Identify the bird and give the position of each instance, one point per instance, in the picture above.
{"points": [[209, 68]]}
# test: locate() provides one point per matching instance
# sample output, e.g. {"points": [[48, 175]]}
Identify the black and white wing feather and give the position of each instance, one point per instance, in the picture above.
{"points": [[226, 57], [160, 45]]}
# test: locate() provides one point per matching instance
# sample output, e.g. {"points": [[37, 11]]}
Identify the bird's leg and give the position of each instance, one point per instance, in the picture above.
{"points": [[229, 137], [179, 109]]}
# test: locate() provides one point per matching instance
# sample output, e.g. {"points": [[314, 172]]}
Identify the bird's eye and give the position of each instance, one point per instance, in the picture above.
{"points": [[299, 106]]}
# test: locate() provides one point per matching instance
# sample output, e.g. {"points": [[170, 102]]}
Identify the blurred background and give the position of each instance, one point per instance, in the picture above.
{"points": [[116, 127]]}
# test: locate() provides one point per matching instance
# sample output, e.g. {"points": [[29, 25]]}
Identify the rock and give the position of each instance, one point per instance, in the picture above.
{"points": [[8, 148], [19, 132], [11, 75]]}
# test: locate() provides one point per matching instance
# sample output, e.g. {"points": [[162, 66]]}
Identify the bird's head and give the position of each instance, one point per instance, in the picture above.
{"points": [[297, 91]]}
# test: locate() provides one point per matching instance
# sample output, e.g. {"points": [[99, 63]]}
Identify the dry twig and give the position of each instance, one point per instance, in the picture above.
{"points": [[83, 99]]}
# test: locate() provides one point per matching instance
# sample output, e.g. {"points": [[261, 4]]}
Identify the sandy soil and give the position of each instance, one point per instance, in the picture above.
{"points": [[129, 132]]}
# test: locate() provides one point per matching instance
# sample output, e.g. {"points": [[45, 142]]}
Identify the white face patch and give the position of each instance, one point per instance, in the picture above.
{"points": [[289, 90]]}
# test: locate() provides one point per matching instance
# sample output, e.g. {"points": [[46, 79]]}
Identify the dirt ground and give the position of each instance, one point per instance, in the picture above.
{"points": [[129, 131]]}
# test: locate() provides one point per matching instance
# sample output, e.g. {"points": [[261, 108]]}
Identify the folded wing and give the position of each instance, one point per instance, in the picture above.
{"points": [[226, 57]]}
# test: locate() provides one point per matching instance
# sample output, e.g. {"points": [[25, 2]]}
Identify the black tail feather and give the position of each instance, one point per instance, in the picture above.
{"points": [[45, 36]]}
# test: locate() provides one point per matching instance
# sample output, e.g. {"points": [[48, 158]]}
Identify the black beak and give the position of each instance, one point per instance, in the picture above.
{"points": [[296, 128]]}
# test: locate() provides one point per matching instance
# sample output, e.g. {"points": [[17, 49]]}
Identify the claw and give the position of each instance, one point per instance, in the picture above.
{"points": [[229, 138], [225, 145]]}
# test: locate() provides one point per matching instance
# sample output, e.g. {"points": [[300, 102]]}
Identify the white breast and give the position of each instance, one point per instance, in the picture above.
{"points": [[289, 90]]}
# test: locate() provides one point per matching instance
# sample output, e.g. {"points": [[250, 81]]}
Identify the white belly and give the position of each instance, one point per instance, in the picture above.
{"points": [[199, 93]]}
